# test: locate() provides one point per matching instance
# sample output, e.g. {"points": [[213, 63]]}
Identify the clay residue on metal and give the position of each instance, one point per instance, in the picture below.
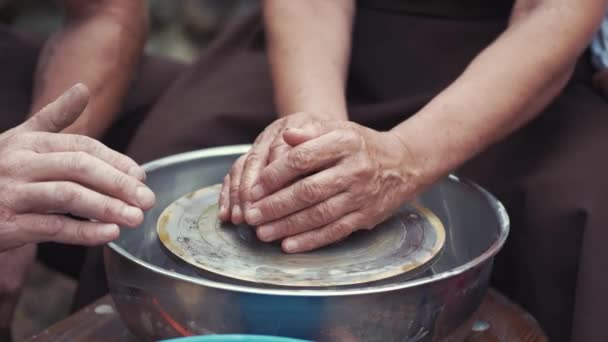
{"points": [[408, 240]]}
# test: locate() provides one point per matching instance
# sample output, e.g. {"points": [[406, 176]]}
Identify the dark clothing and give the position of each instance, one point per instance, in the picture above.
{"points": [[550, 174]]}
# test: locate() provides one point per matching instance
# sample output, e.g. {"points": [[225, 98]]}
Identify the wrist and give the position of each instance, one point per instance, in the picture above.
{"points": [[320, 112], [326, 108], [432, 155]]}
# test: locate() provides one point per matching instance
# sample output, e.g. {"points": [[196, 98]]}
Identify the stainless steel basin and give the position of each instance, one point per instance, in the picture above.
{"points": [[159, 296]]}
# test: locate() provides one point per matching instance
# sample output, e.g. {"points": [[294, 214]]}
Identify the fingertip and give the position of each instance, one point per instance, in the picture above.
{"points": [[237, 215], [290, 245], [223, 213], [145, 197], [109, 232], [133, 216], [265, 233], [80, 88], [79, 92]]}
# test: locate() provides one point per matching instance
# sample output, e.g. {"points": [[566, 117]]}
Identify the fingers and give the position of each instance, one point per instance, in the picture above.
{"points": [[234, 195], [310, 218], [224, 200], [255, 160], [60, 113], [308, 157], [90, 172], [278, 148], [297, 136], [68, 197], [48, 143], [318, 238], [34, 228], [300, 195]]}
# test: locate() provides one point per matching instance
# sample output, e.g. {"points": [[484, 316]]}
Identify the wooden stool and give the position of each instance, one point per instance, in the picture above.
{"points": [[498, 320]]}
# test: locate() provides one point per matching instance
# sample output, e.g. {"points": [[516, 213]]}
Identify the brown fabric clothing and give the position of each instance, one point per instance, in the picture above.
{"points": [[457, 9], [549, 174]]}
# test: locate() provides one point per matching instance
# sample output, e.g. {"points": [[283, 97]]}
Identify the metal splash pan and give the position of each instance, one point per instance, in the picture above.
{"points": [[406, 242]]}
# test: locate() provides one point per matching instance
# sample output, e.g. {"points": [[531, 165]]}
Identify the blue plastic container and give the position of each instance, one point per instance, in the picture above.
{"points": [[234, 338]]}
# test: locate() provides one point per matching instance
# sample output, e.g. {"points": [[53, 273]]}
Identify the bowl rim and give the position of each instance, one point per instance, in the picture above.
{"points": [[476, 262], [233, 338]]}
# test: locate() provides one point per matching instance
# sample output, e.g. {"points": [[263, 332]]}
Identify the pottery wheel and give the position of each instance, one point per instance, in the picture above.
{"points": [[189, 228]]}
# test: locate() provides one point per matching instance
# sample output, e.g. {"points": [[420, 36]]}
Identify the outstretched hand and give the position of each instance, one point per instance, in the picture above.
{"points": [[45, 174]]}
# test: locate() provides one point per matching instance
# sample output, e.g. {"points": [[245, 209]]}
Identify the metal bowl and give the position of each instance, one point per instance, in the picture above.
{"points": [[159, 296]]}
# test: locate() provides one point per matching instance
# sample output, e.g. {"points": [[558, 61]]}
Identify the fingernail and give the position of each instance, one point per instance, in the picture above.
{"points": [[222, 213], [236, 214], [266, 233], [137, 172], [109, 231], [132, 214], [144, 197], [291, 245], [253, 216], [257, 192]]}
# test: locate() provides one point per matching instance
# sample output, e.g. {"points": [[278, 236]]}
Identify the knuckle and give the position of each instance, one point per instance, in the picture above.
{"points": [[124, 183], [350, 137], [340, 229], [110, 209], [82, 142], [300, 159], [81, 233], [36, 140], [77, 162], [267, 176], [234, 188], [364, 169], [52, 227], [12, 164], [322, 213], [254, 157], [66, 194], [271, 208], [307, 191]]}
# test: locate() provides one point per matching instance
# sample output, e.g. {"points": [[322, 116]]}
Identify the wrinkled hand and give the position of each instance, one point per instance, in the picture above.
{"points": [[350, 178], [268, 146], [45, 174], [14, 264]]}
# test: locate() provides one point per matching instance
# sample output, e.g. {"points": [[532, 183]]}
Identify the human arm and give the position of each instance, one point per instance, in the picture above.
{"points": [[455, 126], [99, 44], [308, 45]]}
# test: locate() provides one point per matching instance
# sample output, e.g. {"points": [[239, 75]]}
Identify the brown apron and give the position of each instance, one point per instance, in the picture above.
{"points": [[551, 175]]}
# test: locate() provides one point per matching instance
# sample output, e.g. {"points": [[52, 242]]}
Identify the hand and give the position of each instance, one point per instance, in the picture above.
{"points": [[269, 146], [14, 264], [45, 174], [353, 178]]}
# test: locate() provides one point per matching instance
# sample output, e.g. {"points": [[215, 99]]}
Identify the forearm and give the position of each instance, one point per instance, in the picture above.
{"points": [[99, 45], [507, 85], [308, 50]]}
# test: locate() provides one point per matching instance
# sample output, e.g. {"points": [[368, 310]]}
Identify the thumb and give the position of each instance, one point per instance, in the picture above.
{"points": [[60, 113], [296, 136]]}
